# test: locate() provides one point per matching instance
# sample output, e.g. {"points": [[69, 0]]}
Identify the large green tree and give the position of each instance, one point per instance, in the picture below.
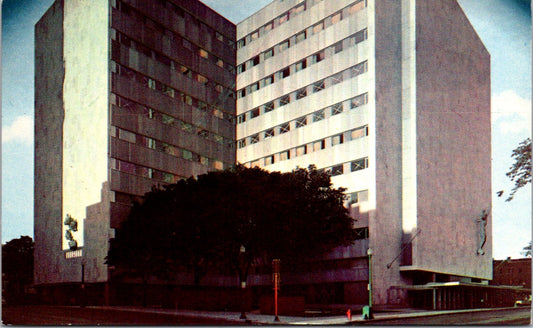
{"points": [[207, 222], [520, 171], [17, 267]]}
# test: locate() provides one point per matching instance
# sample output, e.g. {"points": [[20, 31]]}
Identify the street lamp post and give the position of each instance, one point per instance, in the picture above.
{"points": [[242, 252], [367, 310]]}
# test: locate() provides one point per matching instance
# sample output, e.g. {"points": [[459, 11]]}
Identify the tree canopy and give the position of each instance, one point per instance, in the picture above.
{"points": [[201, 223], [520, 171], [17, 267]]}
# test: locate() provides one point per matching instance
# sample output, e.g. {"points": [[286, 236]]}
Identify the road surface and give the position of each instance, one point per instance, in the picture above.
{"points": [[517, 316], [50, 315]]}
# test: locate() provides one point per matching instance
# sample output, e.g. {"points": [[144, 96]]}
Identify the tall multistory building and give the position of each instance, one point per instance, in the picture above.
{"points": [[392, 98], [128, 95]]}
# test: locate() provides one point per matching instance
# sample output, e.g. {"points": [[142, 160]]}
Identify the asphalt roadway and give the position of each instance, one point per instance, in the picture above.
{"points": [[112, 316]]}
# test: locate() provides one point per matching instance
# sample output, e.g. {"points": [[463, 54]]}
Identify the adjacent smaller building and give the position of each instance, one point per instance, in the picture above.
{"points": [[512, 272]]}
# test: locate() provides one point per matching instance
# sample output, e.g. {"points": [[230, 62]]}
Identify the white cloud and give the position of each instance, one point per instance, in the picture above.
{"points": [[511, 113], [21, 130]]}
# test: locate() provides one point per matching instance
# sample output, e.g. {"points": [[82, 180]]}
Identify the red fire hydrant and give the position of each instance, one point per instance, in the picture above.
{"points": [[349, 314]]}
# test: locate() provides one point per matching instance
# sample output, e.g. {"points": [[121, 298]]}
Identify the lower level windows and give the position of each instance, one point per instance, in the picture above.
{"points": [[359, 164]]}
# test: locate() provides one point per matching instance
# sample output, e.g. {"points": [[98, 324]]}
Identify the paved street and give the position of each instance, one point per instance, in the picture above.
{"points": [[58, 315], [50, 315], [519, 316]]}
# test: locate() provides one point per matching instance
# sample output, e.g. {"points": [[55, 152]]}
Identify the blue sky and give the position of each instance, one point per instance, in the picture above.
{"points": [[503, 25]]}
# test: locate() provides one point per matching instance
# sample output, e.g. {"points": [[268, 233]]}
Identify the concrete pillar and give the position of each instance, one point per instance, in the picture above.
{"points": [[434, 298]]}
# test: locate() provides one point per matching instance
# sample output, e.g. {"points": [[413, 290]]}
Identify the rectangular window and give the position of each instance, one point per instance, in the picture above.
{"points": [[336, 18], [318, 145], [318, 27], [269, 26], [336, 109], [241, 43], [242, 93], [241, 118], [301, 93], [302, 150], [254, 112], [254, 87], [285, 155], [126, 135], [301, 36], [284, 128], [241, 143], [218, 139], [359, 133], [284, 45], [186, 154], [359, 37], [337, 140], [302, 121], [269, 53], [169, 91], [359, 101], [269, 107], [359, 164], [186, 126], [202, 53], [255, 61], [297, 10], [185, 71], [318, 57], [203, 133], [241, 68], [269, 80], [254, 35], [219, 36], [168, 177], [218, 165], [336, 170], [358, 197], [337, 78], [359, 69], [283, 18], [254, 139], [356, 7], [151, 83], [166, 119], [318, 86], [202, 79], [300, 65], [286, 72], [269, 160], [318, 116], [338, 47], [269, 133], [219, 62], [284, 100], [219, 88]]}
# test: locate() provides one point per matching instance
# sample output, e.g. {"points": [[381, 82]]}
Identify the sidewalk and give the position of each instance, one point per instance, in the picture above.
{"points": [[261, 319]]}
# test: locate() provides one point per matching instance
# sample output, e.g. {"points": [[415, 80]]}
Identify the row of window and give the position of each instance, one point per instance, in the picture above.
{"points": [[311, 147], [164, 59], [184, 70], [137, 109], [316, 116], [180, 12], [173, 93], [143, 171], [295, 11], [305, 91], [306, 62], [166, 148]]}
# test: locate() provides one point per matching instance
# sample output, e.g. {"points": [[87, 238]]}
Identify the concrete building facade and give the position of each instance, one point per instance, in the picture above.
{"points": [[391, 97], [129, 94]]}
